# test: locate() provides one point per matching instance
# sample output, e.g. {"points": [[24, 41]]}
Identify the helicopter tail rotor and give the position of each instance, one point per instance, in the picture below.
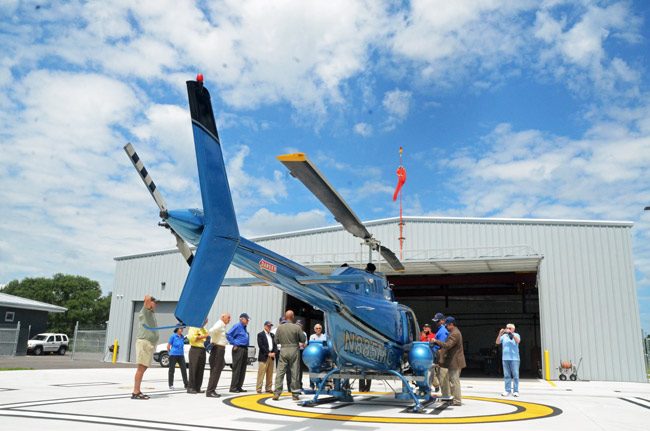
{"points": [[182, 246]]}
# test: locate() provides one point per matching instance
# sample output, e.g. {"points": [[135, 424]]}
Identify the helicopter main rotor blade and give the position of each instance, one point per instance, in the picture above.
{"points": [[303, 169], [390, 257], [182, 246]]}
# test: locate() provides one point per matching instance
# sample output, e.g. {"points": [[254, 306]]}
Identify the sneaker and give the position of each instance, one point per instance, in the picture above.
{"points": [[171, 388], [505, 394], [515, 394], [276, 396]]}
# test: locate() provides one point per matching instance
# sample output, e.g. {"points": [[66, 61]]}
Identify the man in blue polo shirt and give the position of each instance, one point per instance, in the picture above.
{"points": [[238, 337]]}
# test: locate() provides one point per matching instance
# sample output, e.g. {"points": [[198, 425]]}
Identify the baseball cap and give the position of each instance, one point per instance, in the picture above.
{"points": [[449, 320], [426, 325], [438, 317], [267, 323], [245, 316]]}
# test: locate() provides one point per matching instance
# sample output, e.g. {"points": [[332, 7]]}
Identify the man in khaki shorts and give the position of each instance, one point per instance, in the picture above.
{"points": [[145, 344]]}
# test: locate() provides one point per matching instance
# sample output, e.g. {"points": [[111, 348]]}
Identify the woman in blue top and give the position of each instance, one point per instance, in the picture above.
{"points": [[176, 349], [510, 340]]}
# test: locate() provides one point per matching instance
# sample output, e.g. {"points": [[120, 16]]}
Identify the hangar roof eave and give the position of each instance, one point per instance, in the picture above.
{"points": [[452, 266]]}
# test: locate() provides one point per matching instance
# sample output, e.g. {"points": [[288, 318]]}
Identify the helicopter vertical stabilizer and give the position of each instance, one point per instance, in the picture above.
{"points": [[220, 236]]}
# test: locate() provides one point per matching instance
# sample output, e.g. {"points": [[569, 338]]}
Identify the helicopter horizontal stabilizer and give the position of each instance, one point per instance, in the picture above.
{"points": [[334, 279]]}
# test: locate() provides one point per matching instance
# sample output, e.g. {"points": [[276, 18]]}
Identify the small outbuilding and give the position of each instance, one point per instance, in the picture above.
{"points": [[30, 314]]}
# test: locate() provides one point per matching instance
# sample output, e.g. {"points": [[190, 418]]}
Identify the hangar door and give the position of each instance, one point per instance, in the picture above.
{"points": [[482, 303], [164, 317]]}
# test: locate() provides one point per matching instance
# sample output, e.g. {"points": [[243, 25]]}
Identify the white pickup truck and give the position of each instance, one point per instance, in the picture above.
{"points": [[161, 355]]}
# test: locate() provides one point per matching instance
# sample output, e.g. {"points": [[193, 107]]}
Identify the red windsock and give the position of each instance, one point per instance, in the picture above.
{"points": [[401, 179]]}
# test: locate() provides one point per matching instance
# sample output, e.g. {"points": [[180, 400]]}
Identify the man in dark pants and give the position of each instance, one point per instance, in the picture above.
{"points": [[217, 360], [266, 358], [238, 337], [196, 337]]}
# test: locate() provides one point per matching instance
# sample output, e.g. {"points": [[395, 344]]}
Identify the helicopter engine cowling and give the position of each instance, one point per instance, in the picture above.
{"points": [[316, 356], [420, 357]]}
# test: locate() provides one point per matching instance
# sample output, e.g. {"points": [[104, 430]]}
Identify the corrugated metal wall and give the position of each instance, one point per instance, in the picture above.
{"points": [[587, 291]]}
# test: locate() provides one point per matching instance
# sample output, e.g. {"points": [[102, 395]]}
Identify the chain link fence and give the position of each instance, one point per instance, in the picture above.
{"points": [[89, 344], [9, 340]]}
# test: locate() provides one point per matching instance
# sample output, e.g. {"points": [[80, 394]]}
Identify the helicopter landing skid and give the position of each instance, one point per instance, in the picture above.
{"points": [[343, 394]]}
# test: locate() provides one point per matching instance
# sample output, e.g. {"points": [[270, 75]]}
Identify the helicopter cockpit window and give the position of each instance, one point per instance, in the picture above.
{"points": [[412, 327]]}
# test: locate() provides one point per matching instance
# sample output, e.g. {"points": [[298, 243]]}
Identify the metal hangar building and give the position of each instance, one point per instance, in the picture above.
{"points": [[567, 285]]}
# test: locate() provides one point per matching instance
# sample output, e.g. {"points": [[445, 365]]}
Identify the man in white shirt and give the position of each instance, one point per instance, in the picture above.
{"points": [[217, 354]]}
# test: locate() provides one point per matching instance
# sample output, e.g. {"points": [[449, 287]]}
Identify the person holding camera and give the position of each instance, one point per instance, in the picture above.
{"points": [[509, 341]]}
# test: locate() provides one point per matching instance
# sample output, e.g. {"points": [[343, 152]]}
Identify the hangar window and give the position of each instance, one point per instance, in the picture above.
{"points": [[9, 316]]}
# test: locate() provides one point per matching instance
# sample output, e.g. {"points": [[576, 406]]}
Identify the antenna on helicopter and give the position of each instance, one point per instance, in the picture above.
{"points": [[303, 169]]}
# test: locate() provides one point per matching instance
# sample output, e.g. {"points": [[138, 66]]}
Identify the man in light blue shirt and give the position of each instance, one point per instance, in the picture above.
{"points": [[510, 340]]}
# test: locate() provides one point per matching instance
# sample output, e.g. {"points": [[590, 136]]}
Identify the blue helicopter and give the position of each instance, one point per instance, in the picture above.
{"points": [[371, 335]]}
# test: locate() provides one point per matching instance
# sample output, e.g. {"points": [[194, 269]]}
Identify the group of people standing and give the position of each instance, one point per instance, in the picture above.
{"points": [[446, 341], [278, 348], [281, 348]]}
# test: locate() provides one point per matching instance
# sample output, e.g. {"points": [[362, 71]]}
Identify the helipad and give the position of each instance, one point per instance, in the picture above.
{"points": [[75, 399]]}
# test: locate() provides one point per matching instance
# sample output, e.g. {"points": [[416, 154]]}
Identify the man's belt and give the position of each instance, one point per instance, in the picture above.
{"points": [[197, 347]]}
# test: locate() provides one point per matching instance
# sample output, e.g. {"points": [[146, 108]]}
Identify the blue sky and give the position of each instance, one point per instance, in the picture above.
{"points": [[504, 108]]}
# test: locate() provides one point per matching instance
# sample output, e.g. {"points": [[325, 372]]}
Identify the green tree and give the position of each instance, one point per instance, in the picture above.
{"points": [[80, 295]]}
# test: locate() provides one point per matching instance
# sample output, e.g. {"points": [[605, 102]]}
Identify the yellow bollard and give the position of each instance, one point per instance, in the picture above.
{"points": [[115, 345], [547, 365]]}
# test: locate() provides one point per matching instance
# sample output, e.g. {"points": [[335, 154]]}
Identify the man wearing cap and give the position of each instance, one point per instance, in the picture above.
{"points": [[266, 358], [196, 337], [290, 336], [217, 355], [441, 334], [145, 344], [238, 337], [452, 357]]}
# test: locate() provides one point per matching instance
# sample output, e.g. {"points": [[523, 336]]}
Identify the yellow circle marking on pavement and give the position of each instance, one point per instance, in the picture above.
{"points": [[524, 411]]}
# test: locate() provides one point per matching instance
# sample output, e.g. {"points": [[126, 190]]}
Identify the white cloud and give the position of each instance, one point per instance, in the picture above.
{"points": [[248, 190], [397, 104], [363, 129], [575, 49], [266, 222]]}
